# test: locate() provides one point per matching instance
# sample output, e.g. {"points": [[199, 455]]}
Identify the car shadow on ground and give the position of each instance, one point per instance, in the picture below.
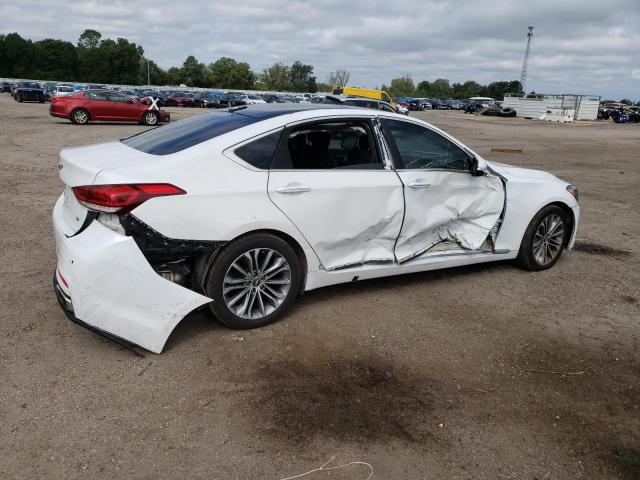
{"points": [[202, 321]]}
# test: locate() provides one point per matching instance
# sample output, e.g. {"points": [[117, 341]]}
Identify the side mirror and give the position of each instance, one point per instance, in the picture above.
{"points": [[473, 168]]}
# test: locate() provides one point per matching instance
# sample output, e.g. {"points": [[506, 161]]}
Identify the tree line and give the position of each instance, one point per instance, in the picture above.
{"points": [[95, 59], [404, 86]]}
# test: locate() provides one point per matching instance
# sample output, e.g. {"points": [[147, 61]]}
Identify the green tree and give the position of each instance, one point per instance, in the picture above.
{"points": [[157, 76], [301, 78], [118, 62], [402, 86], [242, 77], [194, 72], [275, 77], [423, 89], [89, 39], [228, 73], [19, 55], [220, 72], [440, 88], [55, 60]]}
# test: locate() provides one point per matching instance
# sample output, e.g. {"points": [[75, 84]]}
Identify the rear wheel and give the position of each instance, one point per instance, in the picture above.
{"points": [[80, 116], [253, 281], [150, 118], [544, 239]]}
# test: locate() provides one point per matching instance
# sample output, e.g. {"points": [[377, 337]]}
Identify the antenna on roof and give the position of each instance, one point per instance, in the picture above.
{"points": [[525, 63]]}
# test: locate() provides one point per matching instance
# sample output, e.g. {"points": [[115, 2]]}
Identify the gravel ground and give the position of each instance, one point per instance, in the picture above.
{"points": [[481, 372]]}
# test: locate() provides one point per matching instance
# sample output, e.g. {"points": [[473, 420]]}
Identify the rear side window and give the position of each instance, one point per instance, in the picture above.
{"points": [[260, 152], [186, 133], [327, 145]]}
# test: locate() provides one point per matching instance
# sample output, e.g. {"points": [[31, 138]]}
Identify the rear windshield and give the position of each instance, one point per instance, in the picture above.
{"points": [[186, 133]]}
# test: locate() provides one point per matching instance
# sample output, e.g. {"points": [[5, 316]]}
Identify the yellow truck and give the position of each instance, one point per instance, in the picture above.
{"points": [[364, 92]]}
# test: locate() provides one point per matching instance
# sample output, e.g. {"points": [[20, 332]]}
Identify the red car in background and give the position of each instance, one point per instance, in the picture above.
{"points": [[179, 99], [106, 105]]}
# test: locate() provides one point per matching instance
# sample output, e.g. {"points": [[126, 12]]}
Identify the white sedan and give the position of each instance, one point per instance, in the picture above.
{"points": [[244, 209]]}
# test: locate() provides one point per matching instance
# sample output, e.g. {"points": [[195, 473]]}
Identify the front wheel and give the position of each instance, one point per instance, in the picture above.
{"points": [[150, 118], [253, 281], [545, 239]]}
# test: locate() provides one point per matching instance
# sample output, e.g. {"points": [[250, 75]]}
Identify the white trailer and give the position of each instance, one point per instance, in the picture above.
{"points": [[535, 106]]}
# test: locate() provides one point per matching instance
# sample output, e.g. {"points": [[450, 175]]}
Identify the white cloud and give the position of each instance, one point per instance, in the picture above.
{"points": [[580, 46]]}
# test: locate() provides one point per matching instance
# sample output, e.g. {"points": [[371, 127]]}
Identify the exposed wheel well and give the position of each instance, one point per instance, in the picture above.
{"points": [[287, 238], [567, 209]]}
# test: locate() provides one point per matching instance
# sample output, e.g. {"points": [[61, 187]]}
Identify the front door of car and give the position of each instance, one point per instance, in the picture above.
{"points": [[445, 204], [99, 105], [125, 108], [328, 178]]}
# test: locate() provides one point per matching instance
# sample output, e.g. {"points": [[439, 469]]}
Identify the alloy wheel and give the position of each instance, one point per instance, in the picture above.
{"points": [[80, 117], [150, 118], [548, 239], [257, 283]]}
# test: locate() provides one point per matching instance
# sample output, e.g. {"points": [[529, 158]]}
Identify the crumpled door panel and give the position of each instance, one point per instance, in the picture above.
{"points": [[447, 207]]}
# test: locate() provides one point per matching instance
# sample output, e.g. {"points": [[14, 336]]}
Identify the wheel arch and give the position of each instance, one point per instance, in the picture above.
{"points": [[294, 243], [570, 215]]}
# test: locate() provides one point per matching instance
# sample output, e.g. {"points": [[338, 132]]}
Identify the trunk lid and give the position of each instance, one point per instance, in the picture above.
{"points": [[81, 165]]}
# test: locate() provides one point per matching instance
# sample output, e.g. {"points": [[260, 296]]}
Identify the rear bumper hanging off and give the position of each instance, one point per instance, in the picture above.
{"points": [[112, 288]]}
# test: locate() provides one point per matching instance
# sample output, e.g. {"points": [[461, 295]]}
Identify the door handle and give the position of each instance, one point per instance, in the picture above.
{"points": [[419, 183], [293, 188]]}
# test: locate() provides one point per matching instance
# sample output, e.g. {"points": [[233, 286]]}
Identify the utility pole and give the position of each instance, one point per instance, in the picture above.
{"points": [[148, 76], [523, 75]]}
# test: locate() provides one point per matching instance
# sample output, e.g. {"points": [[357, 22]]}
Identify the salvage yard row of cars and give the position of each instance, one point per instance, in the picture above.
{"points": [[222, 99]]}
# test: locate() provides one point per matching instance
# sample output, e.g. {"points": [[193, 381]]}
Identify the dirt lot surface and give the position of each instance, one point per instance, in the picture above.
{"points": [[487, 372]]}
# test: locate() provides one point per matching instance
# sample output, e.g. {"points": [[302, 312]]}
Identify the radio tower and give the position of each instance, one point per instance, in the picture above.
{"points": [[523, 75]]}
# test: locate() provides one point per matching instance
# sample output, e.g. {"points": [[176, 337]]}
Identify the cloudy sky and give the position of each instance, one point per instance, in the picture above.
{"points": [[580, 46]]}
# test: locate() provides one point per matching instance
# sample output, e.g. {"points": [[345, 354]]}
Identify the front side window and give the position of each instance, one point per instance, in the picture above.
{"points": [[418, 147], [259, 153], [328, 145], [114, 97]]}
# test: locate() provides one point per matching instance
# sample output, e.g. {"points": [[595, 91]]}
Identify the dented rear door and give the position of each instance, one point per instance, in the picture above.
{"points": [[444, 202], [351, 214]]}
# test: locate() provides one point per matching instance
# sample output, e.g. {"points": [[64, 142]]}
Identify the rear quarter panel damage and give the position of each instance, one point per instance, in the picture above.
{"points": [[113, 287]]}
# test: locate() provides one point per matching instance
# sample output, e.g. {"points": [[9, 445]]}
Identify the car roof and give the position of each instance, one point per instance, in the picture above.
{"points": [[269, 110]]}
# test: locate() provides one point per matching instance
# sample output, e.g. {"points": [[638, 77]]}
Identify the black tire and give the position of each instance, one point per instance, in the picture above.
{"points": [[150, 118], [526, 256], [80, 116], [222, 264], [19, 97]]}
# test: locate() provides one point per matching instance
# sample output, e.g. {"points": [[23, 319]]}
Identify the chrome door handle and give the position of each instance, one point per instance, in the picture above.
{"points": [[419, 183], [293, 188]]}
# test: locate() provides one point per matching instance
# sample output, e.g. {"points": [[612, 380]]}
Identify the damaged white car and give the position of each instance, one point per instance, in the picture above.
{"points": [[244, 209]]}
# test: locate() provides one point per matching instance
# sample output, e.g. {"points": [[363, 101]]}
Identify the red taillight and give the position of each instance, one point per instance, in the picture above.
{"points": [[57, 99], [122, 198]]}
